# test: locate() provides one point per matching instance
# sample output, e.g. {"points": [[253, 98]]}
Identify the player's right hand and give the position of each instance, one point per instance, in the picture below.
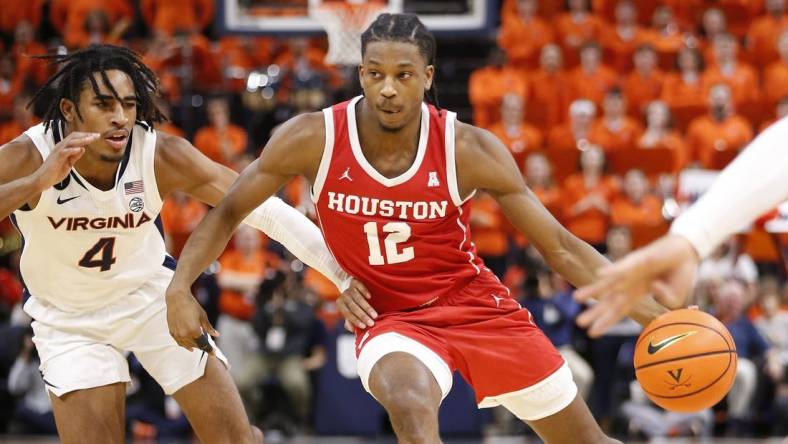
{"points": [[186, 319], [665, 269], [353, 305], [63, 157]]}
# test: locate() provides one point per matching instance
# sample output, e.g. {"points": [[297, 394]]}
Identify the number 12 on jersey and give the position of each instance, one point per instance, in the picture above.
{"points": [[398, 232]]}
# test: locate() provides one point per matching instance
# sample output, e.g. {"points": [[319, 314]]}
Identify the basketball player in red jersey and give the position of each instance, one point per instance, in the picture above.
{"points": [[391, 179]]}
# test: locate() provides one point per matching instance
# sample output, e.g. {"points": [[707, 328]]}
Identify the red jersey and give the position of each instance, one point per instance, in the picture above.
{"points": [[407, 238]]}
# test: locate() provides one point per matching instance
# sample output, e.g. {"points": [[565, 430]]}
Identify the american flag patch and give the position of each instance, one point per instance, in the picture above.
{"points": [[133, 187]]}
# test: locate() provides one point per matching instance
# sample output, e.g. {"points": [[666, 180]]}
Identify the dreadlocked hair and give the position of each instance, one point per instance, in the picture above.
{"points": [[405, 28], [77, 68]]}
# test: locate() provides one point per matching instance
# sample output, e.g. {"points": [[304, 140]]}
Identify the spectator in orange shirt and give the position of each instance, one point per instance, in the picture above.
{"points": [[549, 88], [487, 86], [539, 178], [619, 41], [98, 31], [241, 272], [180, 214], [685, 89], [764, 31], [660, 133], [168, 126], [775, 76], [720, 130], [221, 140], [523, 35], [591, 80], [240, 55], [68, 17], [739, 76], [23, 119], [587, 198], [713, 24], [24, 48], [781, 110], [168, 16], [575, 27], [665, 36], [644, 83], [14, 12], [615, 130], [637, 206], [489, 236], [520, 137], [11, 83], [574, 134]]}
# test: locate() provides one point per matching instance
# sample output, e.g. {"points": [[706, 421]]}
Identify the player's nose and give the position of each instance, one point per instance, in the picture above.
{"points": [[388, 89], [119, 116]]}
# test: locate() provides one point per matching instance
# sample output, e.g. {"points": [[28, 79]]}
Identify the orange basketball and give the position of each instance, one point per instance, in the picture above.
{"points": [[685, 360]]}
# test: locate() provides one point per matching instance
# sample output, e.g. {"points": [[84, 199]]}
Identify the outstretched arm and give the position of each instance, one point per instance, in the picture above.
{"points": [[483, 162], [294, 149], [182, 167], [23, 174], [755, 182]]}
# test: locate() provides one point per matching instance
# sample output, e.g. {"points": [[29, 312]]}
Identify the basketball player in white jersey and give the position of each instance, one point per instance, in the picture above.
{"points": [[85, 189], [754, 183]]}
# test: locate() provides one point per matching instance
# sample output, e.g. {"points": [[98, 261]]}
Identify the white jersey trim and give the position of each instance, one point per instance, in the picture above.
{"points": [[465, 239], [325, 161], [41, 139], [451, 163], [368, 168], [149, 169]]}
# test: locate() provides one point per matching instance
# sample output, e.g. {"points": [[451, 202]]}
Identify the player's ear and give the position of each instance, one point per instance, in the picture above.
{"points": [[429, 73], [69, 110], [361, 75]]}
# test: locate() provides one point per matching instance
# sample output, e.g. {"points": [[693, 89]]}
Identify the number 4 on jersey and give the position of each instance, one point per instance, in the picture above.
{"points": [[105, 246], [398, 232]]}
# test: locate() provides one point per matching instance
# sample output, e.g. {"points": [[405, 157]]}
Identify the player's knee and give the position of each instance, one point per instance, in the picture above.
{"points": [[413, 415]]}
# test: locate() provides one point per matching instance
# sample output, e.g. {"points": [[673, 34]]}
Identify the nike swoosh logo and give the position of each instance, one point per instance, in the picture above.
{"points": [[667, 342], [62, 201]]}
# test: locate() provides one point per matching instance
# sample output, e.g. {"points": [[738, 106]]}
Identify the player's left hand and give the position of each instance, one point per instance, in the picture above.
{"points": [[353, 305], [187, 321], [665, 269]]}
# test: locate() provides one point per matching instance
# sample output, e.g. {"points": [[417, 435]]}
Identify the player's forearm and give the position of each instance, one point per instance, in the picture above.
{"points": [[754, 183], [205, 244], [578, 264], [15, 194], [299, 235]]}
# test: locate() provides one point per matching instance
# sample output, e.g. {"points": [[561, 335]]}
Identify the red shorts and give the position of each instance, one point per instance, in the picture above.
{"points": [[480, 331]]}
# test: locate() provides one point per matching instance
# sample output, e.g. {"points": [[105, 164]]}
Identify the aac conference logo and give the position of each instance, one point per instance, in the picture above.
{"points": [[136, 204]]}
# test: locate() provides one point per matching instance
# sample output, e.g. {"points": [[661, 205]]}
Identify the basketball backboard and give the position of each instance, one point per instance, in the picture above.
{"points": [[293, 16]]}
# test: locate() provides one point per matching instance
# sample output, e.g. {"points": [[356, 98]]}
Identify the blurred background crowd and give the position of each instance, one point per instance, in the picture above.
{"points": [[618, 113]]}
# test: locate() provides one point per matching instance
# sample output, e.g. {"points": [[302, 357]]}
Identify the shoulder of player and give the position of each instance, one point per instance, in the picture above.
{"points": [[304, 134], [306, 130], [172, 150], [18, 158], [474, 145]]}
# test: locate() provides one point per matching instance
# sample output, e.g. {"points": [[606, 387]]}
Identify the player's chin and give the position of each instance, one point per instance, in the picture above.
{"points": [[392, 125], [111, 157]]}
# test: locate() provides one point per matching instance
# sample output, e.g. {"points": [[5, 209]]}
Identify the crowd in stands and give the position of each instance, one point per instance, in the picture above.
{"points": [[615, 110]]}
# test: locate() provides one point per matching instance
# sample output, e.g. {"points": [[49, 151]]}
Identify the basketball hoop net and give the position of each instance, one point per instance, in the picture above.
{"points": [[344, 22]]}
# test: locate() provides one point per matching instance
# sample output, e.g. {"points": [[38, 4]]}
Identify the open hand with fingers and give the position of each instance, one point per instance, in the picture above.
{"points": [[187, 321], [665, 269], [353, 305], [63, 157]]}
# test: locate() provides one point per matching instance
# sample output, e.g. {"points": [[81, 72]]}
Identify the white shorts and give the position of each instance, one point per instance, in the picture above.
{"points": [[86, 350], [545, 398]]}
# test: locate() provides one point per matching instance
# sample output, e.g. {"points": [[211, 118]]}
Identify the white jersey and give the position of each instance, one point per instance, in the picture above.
{"points": [[85, 248]]}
